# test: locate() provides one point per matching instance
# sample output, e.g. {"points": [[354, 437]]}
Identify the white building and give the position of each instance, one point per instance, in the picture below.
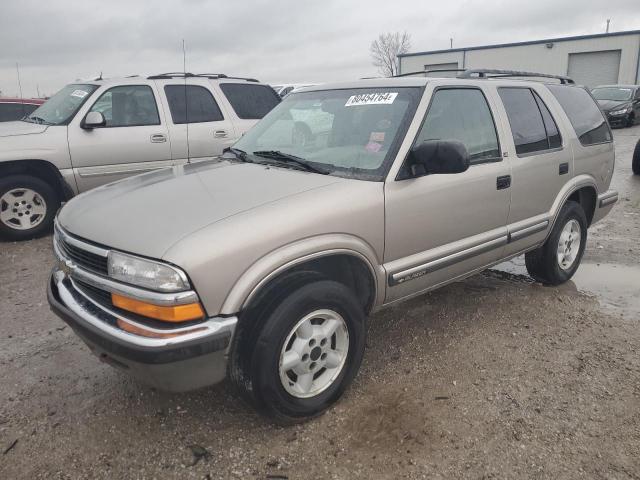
{"points": [[591, 60]]}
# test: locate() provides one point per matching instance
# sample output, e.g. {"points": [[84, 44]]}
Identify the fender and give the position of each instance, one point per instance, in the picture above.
{"points": [[283, 258]]}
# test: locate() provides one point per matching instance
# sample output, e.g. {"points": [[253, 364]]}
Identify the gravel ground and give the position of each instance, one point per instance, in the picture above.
{"points": [[493, 377]]}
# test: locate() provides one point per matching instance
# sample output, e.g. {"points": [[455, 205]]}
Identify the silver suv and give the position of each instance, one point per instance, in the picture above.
{"points": [[265, 264], [93, 133]]}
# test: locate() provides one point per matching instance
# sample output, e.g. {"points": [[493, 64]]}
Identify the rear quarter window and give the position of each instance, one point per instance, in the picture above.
{"points": [[250, 101], [584, 114]]}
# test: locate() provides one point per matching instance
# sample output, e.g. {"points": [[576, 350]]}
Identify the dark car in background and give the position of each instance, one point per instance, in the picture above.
{"points": [[620, 103], [12, 109]]}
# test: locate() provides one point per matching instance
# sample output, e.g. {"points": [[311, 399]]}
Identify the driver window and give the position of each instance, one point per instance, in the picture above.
{"points": [[462, 114], [128, 106]]}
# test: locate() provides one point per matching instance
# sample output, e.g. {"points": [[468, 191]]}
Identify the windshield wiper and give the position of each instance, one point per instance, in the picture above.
{"points": [[38, 120], [289, 159], [239, 154]]}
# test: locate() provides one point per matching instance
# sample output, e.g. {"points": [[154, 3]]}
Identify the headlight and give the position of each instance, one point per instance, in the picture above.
{"points": [[146, 273], [622, 111]]}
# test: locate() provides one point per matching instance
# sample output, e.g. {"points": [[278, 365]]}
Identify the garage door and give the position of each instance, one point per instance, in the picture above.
{"points": [[595, 68], [442, 66]]}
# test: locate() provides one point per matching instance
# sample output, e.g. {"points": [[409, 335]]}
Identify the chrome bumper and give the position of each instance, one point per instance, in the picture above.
{"points": [[176, 359]]}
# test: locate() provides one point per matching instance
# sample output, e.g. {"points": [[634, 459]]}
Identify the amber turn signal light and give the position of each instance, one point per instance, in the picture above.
{"points": [[174, 313]]}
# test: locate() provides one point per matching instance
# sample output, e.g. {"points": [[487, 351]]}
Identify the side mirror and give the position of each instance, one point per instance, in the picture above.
{"points": [[93, 120], [439, 157]]}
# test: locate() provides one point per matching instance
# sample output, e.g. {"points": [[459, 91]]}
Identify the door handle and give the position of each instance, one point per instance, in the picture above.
{"points": [[563, 169], [503, 182], [158, 138], [220, 134]]}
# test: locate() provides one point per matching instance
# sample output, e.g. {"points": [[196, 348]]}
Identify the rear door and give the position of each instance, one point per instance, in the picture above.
{"points": [[542, 163], [194, 103], [134, 139]]}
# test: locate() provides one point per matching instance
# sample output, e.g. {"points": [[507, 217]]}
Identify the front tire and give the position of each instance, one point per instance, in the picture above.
{"points": [[559, 257], [27, 207], [305, 351], [635, 164]]}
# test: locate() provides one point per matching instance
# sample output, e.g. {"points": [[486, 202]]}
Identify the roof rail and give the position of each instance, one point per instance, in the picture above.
{"points": [[425, 72], [494, 73], [164, 76]]}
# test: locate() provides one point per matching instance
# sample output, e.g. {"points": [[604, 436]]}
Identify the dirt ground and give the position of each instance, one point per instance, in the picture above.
{"points": [[495, 377]]}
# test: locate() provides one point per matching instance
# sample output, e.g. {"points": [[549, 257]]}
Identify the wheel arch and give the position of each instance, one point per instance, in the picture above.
{"points": [[339, 257], [583, 190], [42, 169]]}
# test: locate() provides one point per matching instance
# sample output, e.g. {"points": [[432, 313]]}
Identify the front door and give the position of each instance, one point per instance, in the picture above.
{"points": [[439, 227], [134, 139]]}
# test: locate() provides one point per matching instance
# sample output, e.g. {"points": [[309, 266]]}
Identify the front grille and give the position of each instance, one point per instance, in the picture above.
{"points": [[83, 258], [97, 294]]}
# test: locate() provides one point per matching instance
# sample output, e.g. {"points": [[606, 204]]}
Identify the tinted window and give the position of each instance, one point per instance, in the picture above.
{"points": [[250, 101], [553, 135], [527, 126], [15, 111], [128, 106], [463, 115], [202, 106], [583, 112]]}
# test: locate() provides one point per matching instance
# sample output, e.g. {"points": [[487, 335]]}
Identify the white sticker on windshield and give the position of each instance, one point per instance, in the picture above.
{"points": [[79, 93], [385, 98]]}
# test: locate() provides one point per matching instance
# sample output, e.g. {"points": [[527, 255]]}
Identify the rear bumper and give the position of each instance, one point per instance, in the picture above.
{"points": [[604, 204], [179, 359]]}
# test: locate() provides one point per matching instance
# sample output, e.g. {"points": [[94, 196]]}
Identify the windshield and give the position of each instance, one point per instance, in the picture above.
{"points": [[612, 93], [352, 133], [60, 108]]}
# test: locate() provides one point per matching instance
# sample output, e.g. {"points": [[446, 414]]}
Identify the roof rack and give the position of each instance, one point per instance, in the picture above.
{"points": [[493, 73], [213, 76], [425, 72]]}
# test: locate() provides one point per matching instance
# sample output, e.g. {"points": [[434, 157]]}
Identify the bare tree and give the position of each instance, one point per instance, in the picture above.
{"points": [[385, 50]]}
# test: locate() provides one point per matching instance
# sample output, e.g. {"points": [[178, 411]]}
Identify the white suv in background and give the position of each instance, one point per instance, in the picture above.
{"points": [[93, 133]]}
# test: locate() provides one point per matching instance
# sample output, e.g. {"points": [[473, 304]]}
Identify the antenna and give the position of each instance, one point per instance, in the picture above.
{"points": [[186, 103], [20, 89], [608, 22]]}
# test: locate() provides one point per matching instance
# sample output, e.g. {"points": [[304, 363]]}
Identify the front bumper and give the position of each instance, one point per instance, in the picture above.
{"points": [[177, 359], [618, 120]]}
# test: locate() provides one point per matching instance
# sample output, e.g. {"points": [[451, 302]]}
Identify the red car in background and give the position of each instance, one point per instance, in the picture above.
{"points": [[15, 108]]}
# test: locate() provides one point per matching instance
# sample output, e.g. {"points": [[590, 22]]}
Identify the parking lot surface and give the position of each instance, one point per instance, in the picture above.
{"points": [[492, 377]]}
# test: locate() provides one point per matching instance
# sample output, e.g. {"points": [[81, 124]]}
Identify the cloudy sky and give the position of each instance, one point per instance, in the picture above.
{"points": [[58, 41]]}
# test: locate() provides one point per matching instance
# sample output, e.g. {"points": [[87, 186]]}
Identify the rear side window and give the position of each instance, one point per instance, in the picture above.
{"points": [[202, 107], [462, 114], [583, 112], [525, 119], [250, 101]]}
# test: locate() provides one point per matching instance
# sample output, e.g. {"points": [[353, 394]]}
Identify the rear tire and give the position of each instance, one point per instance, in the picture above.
{"points": [[290, 341], [27, 207], [559, 257], [635, 164]]}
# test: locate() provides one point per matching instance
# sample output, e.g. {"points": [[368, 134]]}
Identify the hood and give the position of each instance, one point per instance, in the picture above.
{"points": [[608, 105], [8, 129], [148, 213]]}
